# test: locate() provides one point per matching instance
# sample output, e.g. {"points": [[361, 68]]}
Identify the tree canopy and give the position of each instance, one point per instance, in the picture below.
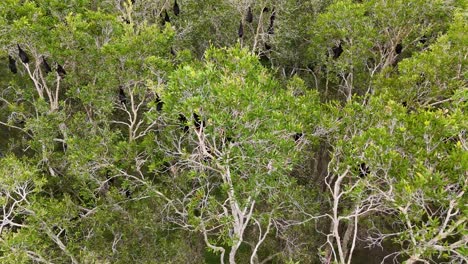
{"points": [[186, 131]]}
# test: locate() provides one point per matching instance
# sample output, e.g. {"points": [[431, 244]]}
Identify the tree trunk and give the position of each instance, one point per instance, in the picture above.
{"points": [[232, 254], [347, 237]]}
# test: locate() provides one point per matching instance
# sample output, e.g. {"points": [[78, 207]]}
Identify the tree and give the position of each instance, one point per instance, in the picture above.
{"points": [[407, 185], [369, 34], [237, 152]]}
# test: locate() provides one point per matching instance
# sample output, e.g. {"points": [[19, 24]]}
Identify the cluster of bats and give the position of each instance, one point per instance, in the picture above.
{"points": [[23, 56]]}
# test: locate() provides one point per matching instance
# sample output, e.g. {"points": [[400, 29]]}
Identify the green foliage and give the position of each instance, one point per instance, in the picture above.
{"points": [[433, 76], [178, 142]]}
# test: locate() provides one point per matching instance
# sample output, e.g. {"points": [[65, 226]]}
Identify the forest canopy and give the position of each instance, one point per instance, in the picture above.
{"points": [[220, 131]]}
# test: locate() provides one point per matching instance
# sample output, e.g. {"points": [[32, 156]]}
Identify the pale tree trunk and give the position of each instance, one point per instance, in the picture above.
{"points": [[241, 217], [346, 239]]}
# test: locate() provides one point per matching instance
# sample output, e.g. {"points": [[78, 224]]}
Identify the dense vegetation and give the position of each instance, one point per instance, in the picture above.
{"points": [[220, 131]]}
